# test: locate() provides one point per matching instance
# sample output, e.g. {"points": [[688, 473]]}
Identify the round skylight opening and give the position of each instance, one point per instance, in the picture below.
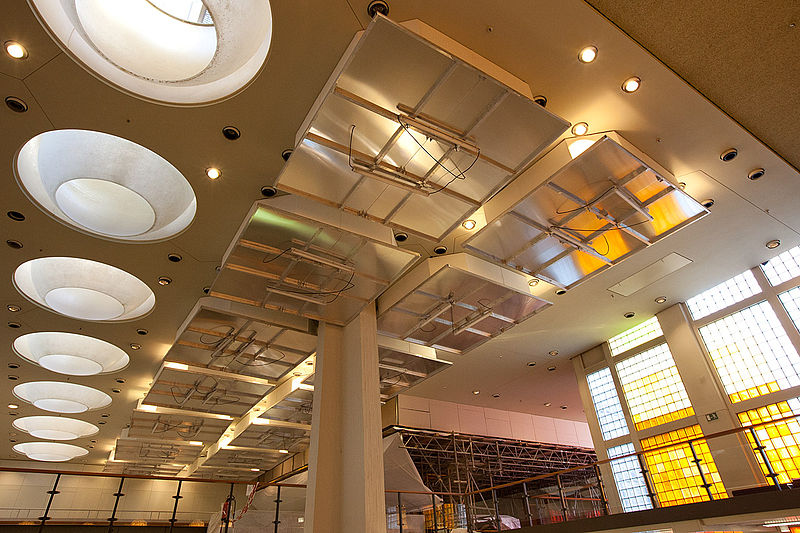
{"points": [[70, 353], [50, 451], [55, 427], [105, 186], [84, 289], [184, 52], [61, 397]]}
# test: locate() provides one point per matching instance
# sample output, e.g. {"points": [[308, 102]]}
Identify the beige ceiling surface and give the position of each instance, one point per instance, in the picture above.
{"points": [[757, 87]]}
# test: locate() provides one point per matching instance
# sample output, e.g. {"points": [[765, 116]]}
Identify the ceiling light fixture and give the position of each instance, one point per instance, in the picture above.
{"points": [[587, 54], [83, 289], [15, 216], [632, 84], [268, 192], [14, 325], [55, 427], [401, 236], [14, 244], [213, 173], [164, 280], [49, 451], [61, 397], [496, 395], [729, 154], [469, 224], [70, 353], [440, 249], [135, 346], [175, 258], [548, 404], [774, 243], [629, 314], [661, 299], [231, 133], [553, 352], [707, 203], [561, 292], [15, 50], [756, 174], [17, 105], [476, 392], [533, 282], [13, 308], [551, 368], [563, 407], [283, 451], [531, 363], [581, 128], [142, 331], [13, 406]]}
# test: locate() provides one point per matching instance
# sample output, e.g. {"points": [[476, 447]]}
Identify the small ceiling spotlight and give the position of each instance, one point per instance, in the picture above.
{"points": [[553, 353], [14, 325], [17, 105], [469, 224], [707, 203], [13, 406], [213, 173], [581, 128], [120, 380], [756, 174], [135, 346], [231, 133], [629, 314], [561, 292], [13, 365], [142, 331], [439, 250], [533, 282], [286, 154], [563, 407], [531, 363], [15, 50], [116, 391], [268, 192], [16, 216], [164, 280], [551, 368], [632, 84], [588, 54], [175, 258], [14, 244], [400, 237], [541, 100], [548, 404], [206, 290], [496, 395], [378, 6], [729, 154], [682, 185], [13, 377], [661, 299], [13, 308], [774, 243], [476, 392]]}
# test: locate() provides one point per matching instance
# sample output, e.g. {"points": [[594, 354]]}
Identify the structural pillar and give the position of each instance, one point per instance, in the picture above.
{"points": [[345, 466]]}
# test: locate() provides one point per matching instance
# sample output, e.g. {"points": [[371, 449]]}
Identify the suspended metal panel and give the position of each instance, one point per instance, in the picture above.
{"points": [[403, 364], [154, 453], [296, 407], [587, 205], [289, 437], [409, 134], [295, 256], [457, 302], [175, 427]]}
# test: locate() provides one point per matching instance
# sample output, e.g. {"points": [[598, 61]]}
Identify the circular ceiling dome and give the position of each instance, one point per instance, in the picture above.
{"points": [[61, 397], [84, 289], [180, 52], [55, 427], [69, 353], [105, 185], [50, 451]]}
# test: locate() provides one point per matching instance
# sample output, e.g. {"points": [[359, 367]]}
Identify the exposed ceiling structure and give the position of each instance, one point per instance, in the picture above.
{"points": [[230, 392]]}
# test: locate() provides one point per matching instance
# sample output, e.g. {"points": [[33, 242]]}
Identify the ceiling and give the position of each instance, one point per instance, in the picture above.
{"points": [[535, 41]]}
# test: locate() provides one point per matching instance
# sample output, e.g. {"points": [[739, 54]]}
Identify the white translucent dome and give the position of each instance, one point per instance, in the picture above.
{"points": [[84, 289], [50, 451], [69, 353], [105, 185], [183, 52], [55, 427], [61, 397]]}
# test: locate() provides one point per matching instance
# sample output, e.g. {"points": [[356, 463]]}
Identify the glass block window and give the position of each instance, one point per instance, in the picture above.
{"points": [[606, 404], [628, 478], [751, 352], [653, 388], [673, 472], [783, 267], [635, 336], [791, 302], [721, 296], [781, 439]]}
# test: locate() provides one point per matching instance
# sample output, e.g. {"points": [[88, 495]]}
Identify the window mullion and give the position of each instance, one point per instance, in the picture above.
{"points": [[777, 306]]}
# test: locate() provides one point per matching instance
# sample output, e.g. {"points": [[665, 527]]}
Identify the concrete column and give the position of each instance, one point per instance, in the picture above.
{"points": [[736, 463], [345, 472]]}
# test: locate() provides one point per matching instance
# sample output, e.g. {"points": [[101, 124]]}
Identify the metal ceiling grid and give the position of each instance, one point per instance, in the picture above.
{"points": [[175, 427], [295, 256], [403, 364], [410, 135], [293, 437], [259, 347], [295, 407], [456, 303], [590, 203]]}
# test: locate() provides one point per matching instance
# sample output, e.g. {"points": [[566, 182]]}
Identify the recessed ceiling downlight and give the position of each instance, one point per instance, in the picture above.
{"points": [[191, 52], [105, 185], [50, 451], [69, 353], [61, 397], [55, 427], [84, 289]]}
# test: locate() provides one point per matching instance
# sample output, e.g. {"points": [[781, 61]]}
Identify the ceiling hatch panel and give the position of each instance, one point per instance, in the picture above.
{"points": [[295, 256], [587, 205], [410, 134], [457, 302]]}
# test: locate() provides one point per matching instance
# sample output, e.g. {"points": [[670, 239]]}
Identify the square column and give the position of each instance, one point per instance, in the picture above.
{"points": [[345, 468]]}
